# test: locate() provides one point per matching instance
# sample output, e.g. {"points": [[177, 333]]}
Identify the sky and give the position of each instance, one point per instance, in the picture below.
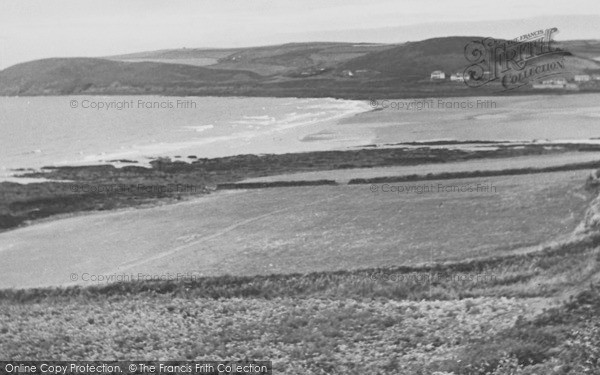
{"points": [[33, 29]]}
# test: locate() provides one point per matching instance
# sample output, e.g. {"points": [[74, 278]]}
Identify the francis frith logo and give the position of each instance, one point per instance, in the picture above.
{"points": [[514, 63]]}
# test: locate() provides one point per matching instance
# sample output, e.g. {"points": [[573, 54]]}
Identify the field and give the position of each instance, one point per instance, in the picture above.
{"points": [[521, 162], [300, 229], [20, 204], [334, 323], [323, 280]]}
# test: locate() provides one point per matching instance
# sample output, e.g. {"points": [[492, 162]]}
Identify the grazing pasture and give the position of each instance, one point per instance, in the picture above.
{"points": [[300, 229]]}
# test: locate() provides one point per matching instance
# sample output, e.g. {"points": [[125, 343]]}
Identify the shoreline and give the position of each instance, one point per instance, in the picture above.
{"points": [[22, 175], [359, 125], [235, 134], [176, 180]]}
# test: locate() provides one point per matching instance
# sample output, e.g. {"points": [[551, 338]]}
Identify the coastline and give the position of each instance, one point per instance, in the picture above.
{"points": [[359, 125], [243, 131], [105, 187]]}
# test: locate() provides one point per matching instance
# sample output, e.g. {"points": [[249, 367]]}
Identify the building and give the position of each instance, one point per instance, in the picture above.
{"points": [[556, 83], [582, 78], [459, 77], [596, 77], [547, 86], [572, 86], [560, 81], [347, 73], [437, 75]]}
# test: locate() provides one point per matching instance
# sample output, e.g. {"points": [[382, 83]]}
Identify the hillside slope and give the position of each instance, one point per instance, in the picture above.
{"points": [[342, 70], [264, 60], [90, 75], [415, 61]]}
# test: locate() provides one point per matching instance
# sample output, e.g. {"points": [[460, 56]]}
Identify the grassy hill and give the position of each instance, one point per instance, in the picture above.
{"points": [[265, 60], [415, 61], [90, 75], [589, 49], [186, 56], [299, 56], [296, 69], [175, 54]]}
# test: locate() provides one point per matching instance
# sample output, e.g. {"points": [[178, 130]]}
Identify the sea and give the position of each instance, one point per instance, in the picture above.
{"points": [[125, 130], [84, 130]]}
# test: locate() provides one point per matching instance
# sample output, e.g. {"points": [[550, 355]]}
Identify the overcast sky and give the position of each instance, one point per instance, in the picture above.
{"points": [[32, 29]]}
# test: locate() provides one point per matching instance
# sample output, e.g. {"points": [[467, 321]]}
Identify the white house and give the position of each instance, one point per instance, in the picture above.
{"points": [[546, 85], [582, 78], [572, 86], [459, 77], [555, 82], [438, 74]]}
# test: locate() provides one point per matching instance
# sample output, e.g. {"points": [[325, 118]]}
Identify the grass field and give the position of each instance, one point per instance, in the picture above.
{"points": [[534, 312], [345, 175], [332, 323], [289, 230]]}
